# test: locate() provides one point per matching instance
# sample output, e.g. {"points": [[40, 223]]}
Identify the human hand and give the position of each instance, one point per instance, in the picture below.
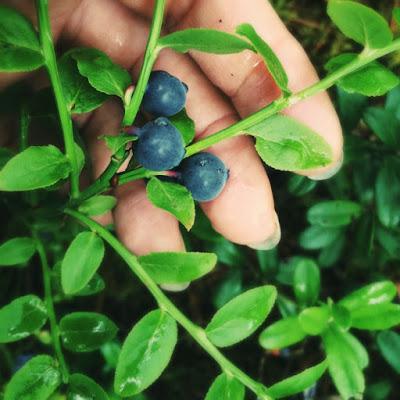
{"points": [[221, 90]]}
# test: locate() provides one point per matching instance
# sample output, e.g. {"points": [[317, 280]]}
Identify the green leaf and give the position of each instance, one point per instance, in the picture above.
{"points": [[359, 350], [21, 318], [98, 205], [372, 80], [116, 142], [376, 317], [341, 315], [82, 387], [389, 346], [299, 382], [17, 251], [80, 96], [95, 285], [343, 364], [270, 58], [103, 74], [306, 281], [185, 126], [390, 241], [317, 237], [286, 144], [396, 15], [300, 185], [351, 108], [36, 380], [282, 334], [388, 201], [314, 320], [225, 388], [145, 353], [331, 253], [175, 268], [34, 168], [385, 124], [375, 293], [19, 44], [360, 23], [82, 332], [81, 261], [205, 40], [241, 317], [174, 198], [333, 213]]}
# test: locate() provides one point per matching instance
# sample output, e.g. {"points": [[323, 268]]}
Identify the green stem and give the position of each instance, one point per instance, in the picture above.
{"points": [[48, 295], [164, 303], [63, 112], [150, 57]]}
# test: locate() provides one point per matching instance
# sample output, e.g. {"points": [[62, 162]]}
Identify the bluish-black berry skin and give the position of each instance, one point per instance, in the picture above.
{"points": [[160, 146], [204, 175], [165, 95]]}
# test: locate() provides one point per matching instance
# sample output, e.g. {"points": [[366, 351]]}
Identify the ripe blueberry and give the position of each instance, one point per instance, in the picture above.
{"points": [[165, 95], [160, 146], [204, 175]]}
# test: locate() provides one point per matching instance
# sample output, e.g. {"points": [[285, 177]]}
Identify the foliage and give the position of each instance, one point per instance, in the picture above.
{"points": [[331, 303]]}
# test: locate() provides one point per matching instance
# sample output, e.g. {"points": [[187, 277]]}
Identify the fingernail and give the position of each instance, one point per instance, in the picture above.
{"points": [[175, 287], [272, 241], [328, 173]]}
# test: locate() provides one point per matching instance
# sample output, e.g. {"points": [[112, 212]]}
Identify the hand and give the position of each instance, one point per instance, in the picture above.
{"points": [[221, 90]]}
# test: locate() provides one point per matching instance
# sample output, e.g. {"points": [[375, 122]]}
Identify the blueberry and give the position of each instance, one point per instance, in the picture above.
{"points": [[160, 146], [165, 95], [204, 175]]}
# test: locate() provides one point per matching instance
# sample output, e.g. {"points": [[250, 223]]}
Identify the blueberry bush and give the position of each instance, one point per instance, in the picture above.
{"points": [[82, 317]]}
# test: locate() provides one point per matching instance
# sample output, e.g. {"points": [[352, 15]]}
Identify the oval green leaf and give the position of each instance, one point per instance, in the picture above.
{"points": [[185, 126], [145, 353], [205, 40], [82, 387], [34, 168], [86, 331], [17, 251], [270, 58], [375, 293], [103, 74], [360, 23], [376, 317], [81, 261], [343, 364], [314, 320], [333, 213], [19, 44], [225, 388], [288, 145], [36, 380], [282, 334], [21, 318], [306, 281], [98, 205], [372, 80], [389, 346], [299, 382], [174, 198], [317, 237], [175, 268], [241, 316]]}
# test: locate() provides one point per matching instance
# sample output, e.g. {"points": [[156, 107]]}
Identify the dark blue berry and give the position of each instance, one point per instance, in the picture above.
{"points": [[204, 175], [160, 146], [165, 95]]}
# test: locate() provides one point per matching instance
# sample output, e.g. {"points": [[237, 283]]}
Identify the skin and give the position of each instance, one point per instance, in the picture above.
{"points": [[221, 90]]}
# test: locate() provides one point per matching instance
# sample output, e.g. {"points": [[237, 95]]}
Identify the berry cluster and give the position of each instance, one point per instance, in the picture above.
{"points": [[160, 145]]}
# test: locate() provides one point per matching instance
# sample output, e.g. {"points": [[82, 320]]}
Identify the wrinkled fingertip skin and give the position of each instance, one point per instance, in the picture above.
{"points": [[160, 146], [165, 95], [204, 175]]}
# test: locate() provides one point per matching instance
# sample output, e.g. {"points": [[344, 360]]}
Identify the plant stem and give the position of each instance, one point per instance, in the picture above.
{"points": [[150, 57], [48, 295], [164, 303], [63, 112]]}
